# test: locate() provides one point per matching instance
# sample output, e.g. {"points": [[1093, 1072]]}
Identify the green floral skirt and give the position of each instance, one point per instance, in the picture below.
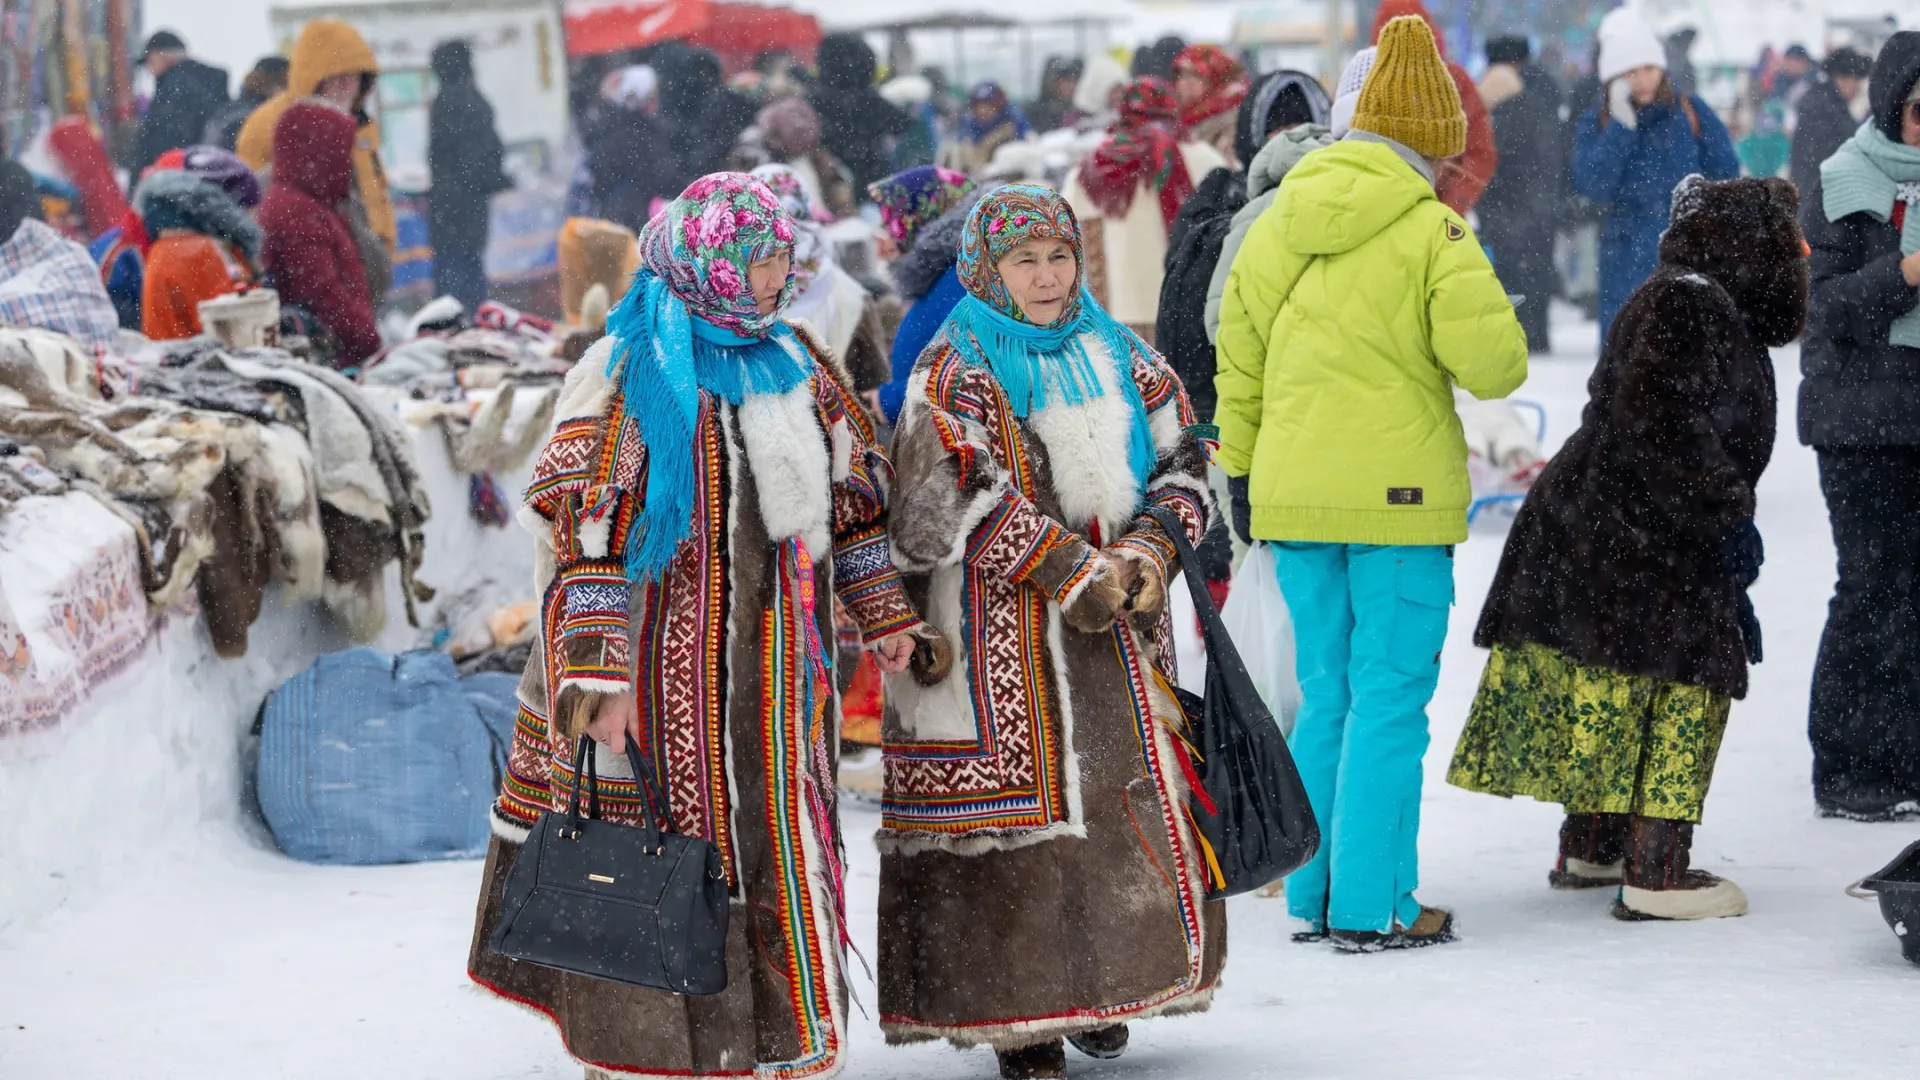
{"points": [[1593, 740]]}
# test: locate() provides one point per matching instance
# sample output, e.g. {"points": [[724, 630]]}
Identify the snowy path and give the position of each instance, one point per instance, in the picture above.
{"points": [[232, 963]]}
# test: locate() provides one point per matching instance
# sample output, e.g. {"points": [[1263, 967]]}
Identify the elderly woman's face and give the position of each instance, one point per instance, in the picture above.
{"points": [[1910, 118], [1039, 276], [768, 277]]}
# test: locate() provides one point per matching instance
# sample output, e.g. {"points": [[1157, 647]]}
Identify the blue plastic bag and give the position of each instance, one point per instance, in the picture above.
{"points": [[367, 758]]}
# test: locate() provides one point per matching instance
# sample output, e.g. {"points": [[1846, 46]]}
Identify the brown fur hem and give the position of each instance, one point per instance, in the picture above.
{"points": [[1016, 1034]]}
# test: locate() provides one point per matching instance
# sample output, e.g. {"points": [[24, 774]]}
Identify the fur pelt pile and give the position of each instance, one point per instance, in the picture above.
{"points": [[234, 473]]}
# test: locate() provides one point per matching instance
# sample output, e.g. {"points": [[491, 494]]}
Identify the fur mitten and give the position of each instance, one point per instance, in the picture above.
{"points": [[1146, 587], [932, 656], [1094, 603]]}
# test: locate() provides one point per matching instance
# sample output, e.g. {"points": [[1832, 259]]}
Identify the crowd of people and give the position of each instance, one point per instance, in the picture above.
{"points": [[1246, 299], [281, 187], [1182, 304]]}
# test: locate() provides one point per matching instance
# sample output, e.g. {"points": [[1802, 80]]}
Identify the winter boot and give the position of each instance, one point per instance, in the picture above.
{"points": [[1866, 801], [1433, 927], [1593, 849], [1659, 883], [1102, 1045], [1040, 1061]]}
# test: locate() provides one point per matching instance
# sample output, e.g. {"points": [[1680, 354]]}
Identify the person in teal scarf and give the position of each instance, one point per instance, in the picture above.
{"points": [[1860, 411], [1040, 879], [710, 491]]}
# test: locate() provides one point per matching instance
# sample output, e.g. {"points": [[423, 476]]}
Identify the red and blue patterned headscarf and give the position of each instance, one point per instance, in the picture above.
{"points": [[690, 323], [911, 200], [1036, 365]]}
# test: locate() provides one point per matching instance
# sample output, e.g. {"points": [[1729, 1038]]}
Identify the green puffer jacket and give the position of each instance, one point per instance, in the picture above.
{"points": [[1356, 303]]}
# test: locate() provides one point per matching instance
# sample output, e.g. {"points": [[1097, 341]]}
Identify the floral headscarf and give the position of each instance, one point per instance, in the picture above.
{"points": [[910, 200], [1039, 366], [690, 323], [814, 257], [1143, 146], [1225, 79], [703, 242], [1007, 217]]}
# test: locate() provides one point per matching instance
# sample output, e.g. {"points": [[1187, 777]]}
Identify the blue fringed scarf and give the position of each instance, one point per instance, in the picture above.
{"points": [[1040, 366], [669, 356]]}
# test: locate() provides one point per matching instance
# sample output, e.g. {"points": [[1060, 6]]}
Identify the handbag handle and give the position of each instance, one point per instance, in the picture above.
{"points": [[1221, 651], [584, 764]]}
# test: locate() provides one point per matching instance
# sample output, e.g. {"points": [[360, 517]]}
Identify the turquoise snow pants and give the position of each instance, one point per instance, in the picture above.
{"points": [[1368, 625]]}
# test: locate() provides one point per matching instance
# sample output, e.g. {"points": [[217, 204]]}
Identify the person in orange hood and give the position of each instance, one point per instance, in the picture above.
{"points": [[1460, 180], [331, 62]]}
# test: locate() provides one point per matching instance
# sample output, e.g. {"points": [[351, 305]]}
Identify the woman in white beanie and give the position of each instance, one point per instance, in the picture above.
{"points": [[1633, 147]]}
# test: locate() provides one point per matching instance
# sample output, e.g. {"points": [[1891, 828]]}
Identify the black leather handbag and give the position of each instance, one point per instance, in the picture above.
{"points": [[638, 905], [1252, 808]]}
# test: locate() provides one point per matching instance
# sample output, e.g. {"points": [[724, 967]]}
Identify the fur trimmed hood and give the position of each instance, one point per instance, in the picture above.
{"points": [[178, 200], [935, 249]]}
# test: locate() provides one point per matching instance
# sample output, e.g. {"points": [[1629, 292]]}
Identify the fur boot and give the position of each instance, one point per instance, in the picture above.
{"points": [[1660, 883], [1041, 1061], [1593, 850]]}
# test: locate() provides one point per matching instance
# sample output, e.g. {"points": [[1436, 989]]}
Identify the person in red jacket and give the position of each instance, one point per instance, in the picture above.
{"points": [[1458, 181], [309, 250]]}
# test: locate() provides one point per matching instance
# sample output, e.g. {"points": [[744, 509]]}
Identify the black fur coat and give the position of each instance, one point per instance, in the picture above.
{"points": [[1617, 559]]}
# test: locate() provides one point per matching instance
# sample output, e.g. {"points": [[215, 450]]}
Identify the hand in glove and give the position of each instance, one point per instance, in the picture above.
{"points": [[1240, 494], [1146, 588], [1098, 601], [932, 659], [1750, 628], [1620, 104], [1743, 553]]}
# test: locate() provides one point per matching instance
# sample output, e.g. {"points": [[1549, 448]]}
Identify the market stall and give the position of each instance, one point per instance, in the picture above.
{"points": [[182, 529]]}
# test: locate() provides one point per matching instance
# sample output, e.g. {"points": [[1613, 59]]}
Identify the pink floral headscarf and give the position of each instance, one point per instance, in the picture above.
{"points": [[702, 243]]}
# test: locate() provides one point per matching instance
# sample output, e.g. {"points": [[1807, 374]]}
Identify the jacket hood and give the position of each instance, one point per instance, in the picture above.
{"points": [[313, 150], [935, 248], [1278, 99], [1281, 154], [1343, 196], [180, 200], [325, 48], [1390, 10], [1895, 71], [846, 62], [452, 62], [1744, 234]]}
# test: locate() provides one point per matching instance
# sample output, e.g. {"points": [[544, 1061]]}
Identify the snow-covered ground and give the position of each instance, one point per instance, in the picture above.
{"points": [[229, 962]]}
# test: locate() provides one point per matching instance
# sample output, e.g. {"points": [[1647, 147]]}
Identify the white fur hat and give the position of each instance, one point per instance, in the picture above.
{"points": [[1627, 42], [1346, 96]]}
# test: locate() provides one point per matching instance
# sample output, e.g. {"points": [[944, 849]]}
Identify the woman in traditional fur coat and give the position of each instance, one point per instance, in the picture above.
{"points": [[1039, 876], [707, 469], [1619, 622]]}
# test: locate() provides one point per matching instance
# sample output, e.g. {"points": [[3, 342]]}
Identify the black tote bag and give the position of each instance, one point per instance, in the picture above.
{"points": [[1259, 824], [631, 904]]}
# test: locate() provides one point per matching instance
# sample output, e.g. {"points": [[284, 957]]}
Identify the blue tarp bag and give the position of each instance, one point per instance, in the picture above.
{"points": [[367, 758]]}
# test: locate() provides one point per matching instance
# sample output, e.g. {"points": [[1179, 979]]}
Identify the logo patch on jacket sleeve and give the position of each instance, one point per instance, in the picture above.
{"points": [[1406, 496], [1455, 231]]}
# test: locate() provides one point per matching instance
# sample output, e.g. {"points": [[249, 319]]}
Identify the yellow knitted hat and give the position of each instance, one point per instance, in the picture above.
{"points": [[1409, 96]]}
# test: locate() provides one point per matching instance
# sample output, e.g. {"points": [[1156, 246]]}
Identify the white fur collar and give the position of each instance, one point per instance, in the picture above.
{"points": [[1087, 451], [787, 451]]}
